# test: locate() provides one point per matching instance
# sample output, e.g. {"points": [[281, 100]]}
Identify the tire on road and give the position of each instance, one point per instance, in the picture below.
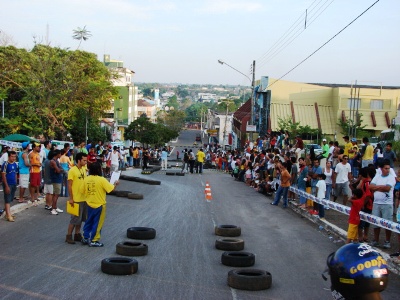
{"points": [[170, 173], [119, 266], [229, 244], [113, 193], [179, 174], [249, 279], [135, 196], [228, 230], [141, 233], [122, 193], [153, 182], [132, 249], [238, 259]]}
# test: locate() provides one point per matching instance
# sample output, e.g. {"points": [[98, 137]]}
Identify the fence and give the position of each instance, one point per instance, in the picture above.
{"points": [[383, 223]]}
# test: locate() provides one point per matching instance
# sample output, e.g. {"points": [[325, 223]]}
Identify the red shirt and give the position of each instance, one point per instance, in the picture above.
{"points": [[367, 193], [356, 206], [91, 157]]}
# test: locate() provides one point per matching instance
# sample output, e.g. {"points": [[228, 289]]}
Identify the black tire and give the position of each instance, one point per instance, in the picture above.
{"points": [[113, 193], [170, 173], [122, 193], [141, 233], [229, 244], [124, 177], [154, 182], [119, 266], [135, 196], [179, 174], [132, 249], [238, 259], [228, 230], [249, 279]]}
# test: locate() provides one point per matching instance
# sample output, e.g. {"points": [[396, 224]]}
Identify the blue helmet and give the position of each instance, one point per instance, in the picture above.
{"points": [[357, 269]]}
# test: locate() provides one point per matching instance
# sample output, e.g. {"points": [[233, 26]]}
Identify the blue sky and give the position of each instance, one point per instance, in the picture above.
{"points": [[181, 41]]}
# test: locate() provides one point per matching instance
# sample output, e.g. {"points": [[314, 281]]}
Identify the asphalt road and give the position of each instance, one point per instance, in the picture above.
{"points": [[182, 263]]}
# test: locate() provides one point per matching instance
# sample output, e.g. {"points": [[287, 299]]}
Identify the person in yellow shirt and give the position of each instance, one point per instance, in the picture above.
{"points": [[200, 160], [94, 188], [75, 182], [347, 145], [367, 153]]}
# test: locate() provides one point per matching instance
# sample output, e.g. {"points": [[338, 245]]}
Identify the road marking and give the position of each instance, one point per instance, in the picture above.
{"points": [[234, 295], [25, 292]]}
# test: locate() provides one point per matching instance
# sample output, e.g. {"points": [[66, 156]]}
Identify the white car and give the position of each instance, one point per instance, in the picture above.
{"points": [[317, 149]]}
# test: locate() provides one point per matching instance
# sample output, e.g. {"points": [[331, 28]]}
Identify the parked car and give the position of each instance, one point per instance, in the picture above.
{"points": [[307, 149], [198, 138]]}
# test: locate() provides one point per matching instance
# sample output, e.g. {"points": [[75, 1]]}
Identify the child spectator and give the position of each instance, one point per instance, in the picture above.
{"points": [[363, 185], [248, 174], [357, 203], [321, 193]]}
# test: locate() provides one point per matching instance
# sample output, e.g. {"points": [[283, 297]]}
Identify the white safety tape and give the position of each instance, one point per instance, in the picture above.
{"points": [[383, 223]]}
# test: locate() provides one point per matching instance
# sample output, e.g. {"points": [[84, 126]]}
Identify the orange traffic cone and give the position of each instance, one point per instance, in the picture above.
{"points": [[207, 192]]}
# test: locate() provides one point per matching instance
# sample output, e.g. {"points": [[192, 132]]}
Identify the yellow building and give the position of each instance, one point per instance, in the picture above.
{"points": [[322, 105]]}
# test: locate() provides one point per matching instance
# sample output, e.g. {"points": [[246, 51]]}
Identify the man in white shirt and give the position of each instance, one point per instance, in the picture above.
{"points": [[382, 186], [341, 179], [115, 157]]}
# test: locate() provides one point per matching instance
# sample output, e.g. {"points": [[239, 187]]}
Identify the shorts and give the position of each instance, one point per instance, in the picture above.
{"points": [[364, 224], [342, 189], [8, 198], [48, 189], [352, 232], [56, 188], [77, 220], [384, 211], [24, 181], [35, 179]]}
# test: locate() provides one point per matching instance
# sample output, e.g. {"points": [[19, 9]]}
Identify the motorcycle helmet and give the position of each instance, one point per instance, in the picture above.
{"points": [[357, 270]]}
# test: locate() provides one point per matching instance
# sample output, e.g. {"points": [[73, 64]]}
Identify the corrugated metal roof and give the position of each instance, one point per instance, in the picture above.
{"points": [[305, 115]]}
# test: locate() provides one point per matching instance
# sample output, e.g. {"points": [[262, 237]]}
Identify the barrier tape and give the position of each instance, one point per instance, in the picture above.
{"points": [[383, 223]]}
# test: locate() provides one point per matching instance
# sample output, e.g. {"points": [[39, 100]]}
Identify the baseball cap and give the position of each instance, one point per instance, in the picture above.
{"points": [[324, 140], [24, 145], [354, 140]]}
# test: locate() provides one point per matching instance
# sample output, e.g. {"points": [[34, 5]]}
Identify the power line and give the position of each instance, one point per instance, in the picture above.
{"points": [[294, 31], [323, 44]]}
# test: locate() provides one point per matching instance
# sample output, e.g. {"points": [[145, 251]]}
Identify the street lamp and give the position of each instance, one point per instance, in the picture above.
{"points": [[252, 85]]}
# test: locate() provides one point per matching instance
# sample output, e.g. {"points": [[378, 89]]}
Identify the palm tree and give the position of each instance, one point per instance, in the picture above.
{"points": [[81, 34]]}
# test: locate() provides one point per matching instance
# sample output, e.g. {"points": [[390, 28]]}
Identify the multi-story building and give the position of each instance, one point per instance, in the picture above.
{"points": [[124, 108], [321, 106], [147, 108]]}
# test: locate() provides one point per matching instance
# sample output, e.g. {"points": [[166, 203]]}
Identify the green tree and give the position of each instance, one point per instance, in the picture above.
{"points": [[173, 102], [46, 85], [348, 127], [81, 34], [288, 124]]}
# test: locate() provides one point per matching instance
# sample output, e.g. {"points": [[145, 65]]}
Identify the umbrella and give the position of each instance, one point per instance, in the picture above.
{"points": [[19, 138]]}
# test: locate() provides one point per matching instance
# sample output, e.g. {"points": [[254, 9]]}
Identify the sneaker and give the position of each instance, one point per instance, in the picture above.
{"points": [[374, 244], [386, 245], [96, 244], [1, 212], [84, 241], [59, 210], [34, 203], [47, 207], [54, 212]]}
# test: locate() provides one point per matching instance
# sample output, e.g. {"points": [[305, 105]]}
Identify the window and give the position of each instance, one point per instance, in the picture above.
{"points": [[376, 104], [354, 103]]}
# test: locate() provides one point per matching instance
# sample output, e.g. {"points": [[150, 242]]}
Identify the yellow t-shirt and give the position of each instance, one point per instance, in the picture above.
{"points": [[34, 159], [347, 147], [94, 189], [351, 155], [200, 156], [369, 153], [77, 176]]}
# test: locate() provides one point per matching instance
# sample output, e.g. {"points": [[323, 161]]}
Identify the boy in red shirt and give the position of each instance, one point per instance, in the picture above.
{"points": [[357, 203], [366, 175]]}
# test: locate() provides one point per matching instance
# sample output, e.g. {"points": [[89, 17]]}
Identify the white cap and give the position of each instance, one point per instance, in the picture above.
{"points": [[324, 140]]}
